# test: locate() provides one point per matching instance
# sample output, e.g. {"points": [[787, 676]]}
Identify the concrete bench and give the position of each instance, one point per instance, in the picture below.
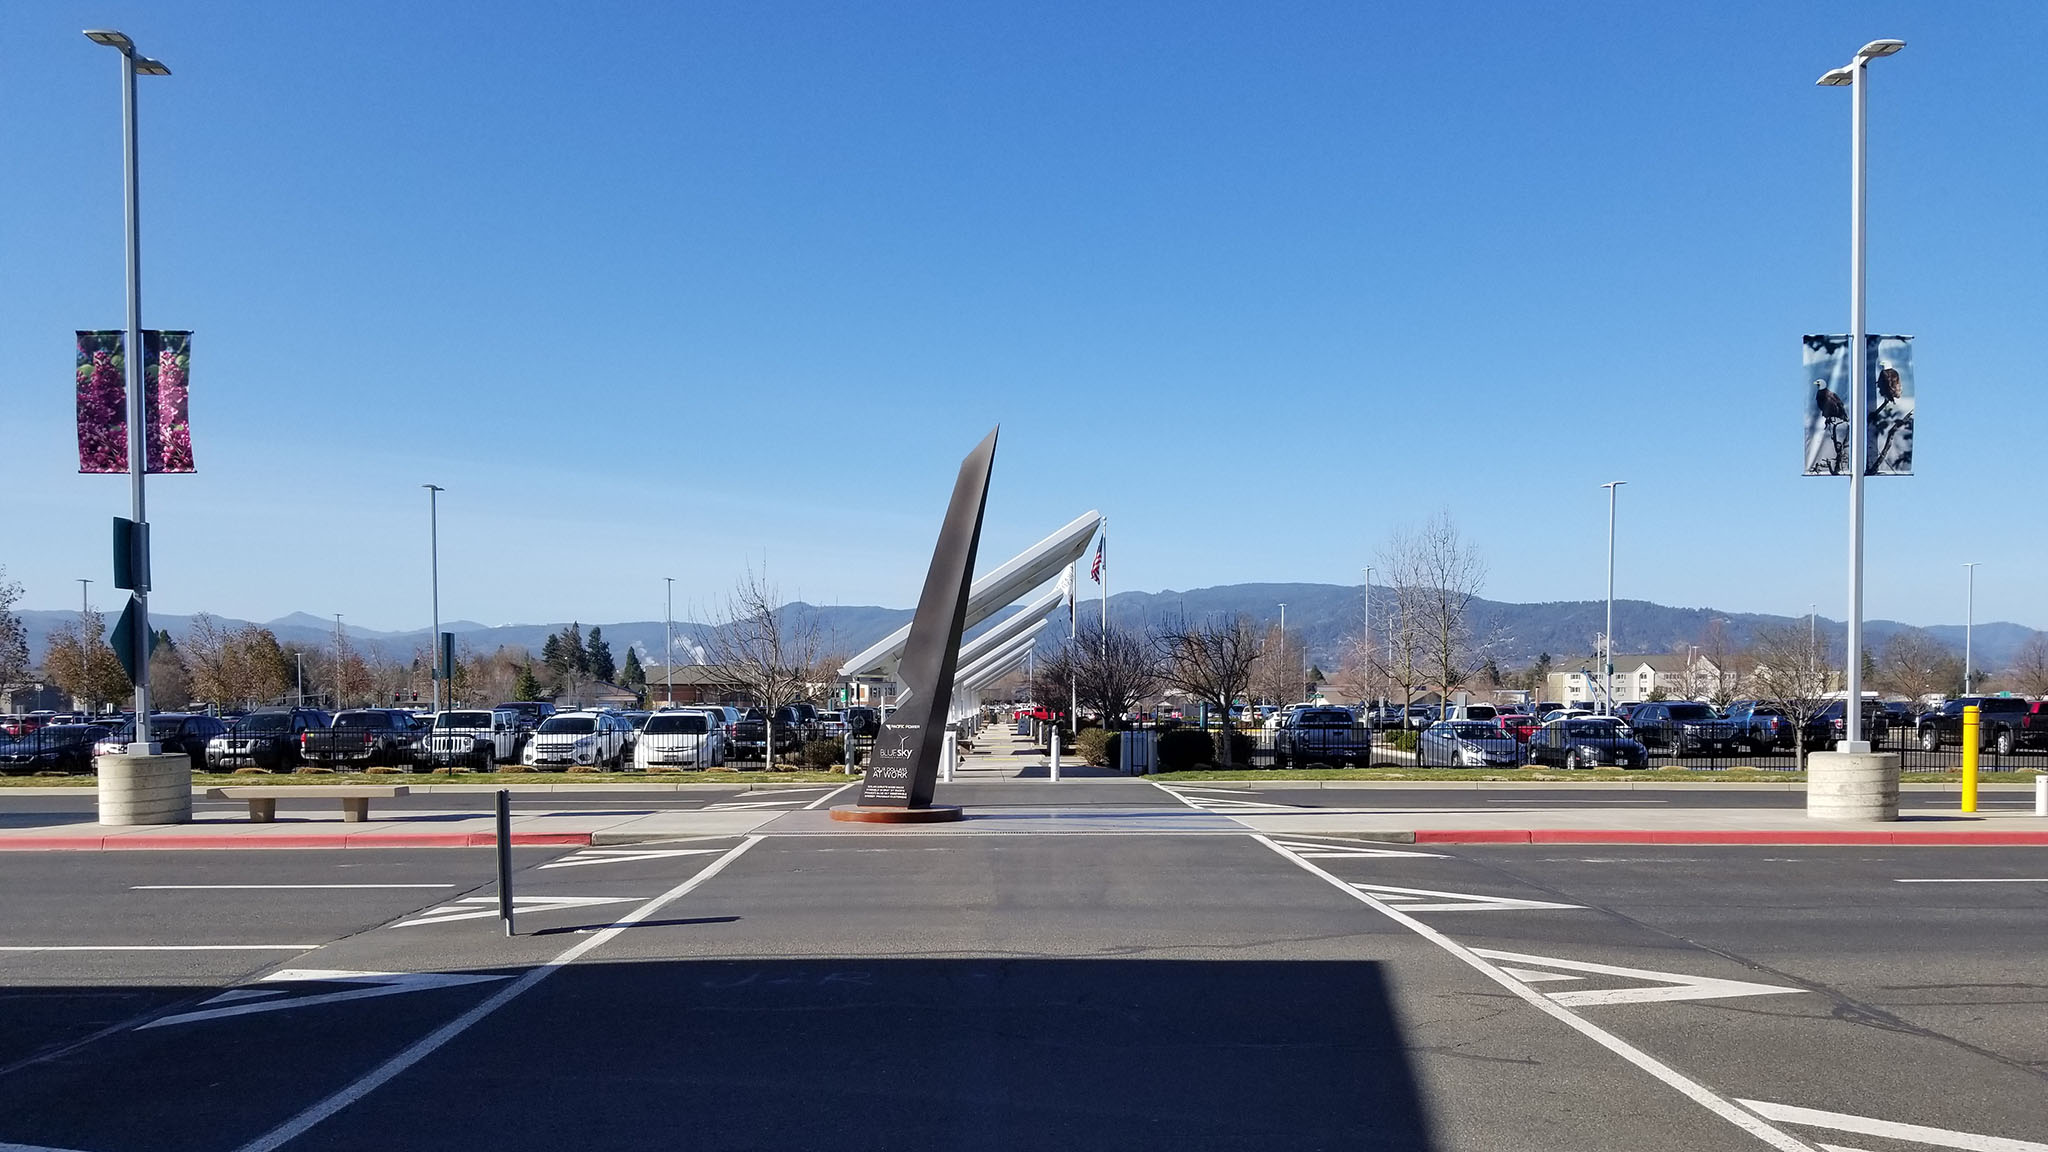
{"points": [[355, 798]]}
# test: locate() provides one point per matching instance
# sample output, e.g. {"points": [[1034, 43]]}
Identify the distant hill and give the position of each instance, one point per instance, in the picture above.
{"points": [[1325, 616]]}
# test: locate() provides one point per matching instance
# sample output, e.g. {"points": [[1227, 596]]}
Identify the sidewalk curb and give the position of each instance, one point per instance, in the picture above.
{"points": [[132, 842], [1817, 836]]}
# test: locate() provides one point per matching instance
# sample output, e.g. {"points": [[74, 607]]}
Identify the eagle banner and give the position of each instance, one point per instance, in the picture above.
{"points": [[1888, 436], [103, 402]]}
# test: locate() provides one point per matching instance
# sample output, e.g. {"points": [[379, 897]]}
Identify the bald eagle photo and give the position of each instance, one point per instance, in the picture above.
{"points": [[1830, 405]]}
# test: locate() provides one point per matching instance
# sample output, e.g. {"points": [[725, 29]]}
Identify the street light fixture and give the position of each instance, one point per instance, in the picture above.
{"points": [[1855, 76], [1607, 641], [131, 66], [668, 632], [434, 537], [1969, 625]]}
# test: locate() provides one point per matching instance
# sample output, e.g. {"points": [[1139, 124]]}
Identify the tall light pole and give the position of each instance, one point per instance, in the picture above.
{"points": [[1366, 645], [1607, 642], [1283, 622], [1855, 75], [434, 543], [84, 596], [1969, 625], [134, 64], [668, 634], [302, 677], [337, 661]]}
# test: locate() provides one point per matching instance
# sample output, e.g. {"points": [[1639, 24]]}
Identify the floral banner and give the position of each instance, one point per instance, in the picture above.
{"points": [[103, 402]]}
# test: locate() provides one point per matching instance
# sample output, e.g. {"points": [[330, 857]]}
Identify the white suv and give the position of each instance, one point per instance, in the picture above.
{"points": [[580, 739], [681, 738]]}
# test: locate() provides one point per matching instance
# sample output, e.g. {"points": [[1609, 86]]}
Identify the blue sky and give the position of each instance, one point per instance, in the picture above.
{"points": [[664, 289]]}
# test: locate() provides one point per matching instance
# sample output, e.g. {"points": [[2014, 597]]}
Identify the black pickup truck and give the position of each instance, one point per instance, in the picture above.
{"points": [[364, 737], [2006, 724]]}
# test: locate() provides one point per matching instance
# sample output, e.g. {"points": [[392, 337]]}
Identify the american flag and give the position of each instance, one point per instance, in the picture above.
{"points": [[1095, 569]]}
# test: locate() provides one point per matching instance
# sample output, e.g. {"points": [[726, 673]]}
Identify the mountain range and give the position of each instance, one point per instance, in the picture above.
{"points": [[1324, 617]]}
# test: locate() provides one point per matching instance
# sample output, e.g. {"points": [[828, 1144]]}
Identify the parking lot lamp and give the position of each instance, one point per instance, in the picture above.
{"points": [[134, 64], [1855, 76], [434, 544], [1607, 641], [1969, 625], [668, 632]]}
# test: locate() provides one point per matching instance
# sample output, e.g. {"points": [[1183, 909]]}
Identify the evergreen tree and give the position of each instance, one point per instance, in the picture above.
{"points": [[575, 657], [527, 686], [633, 676], [598, 655], [551, 653]]}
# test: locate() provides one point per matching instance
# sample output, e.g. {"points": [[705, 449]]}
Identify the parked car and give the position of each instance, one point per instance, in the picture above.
{"points": [[52, 748], [363, 737], [589, 739], [1584, 742], [863, 721], [1466, 744], [173, 731], [679, 738], [1761, 726], [1322, 736], [831, 725], [1519, 725], [526, 716], [1626, 709], [2006, 724], [268, 740], [1683, 726], [1827, 727], [473, 738]]}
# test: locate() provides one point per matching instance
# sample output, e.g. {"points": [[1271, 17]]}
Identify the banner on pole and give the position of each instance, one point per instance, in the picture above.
{"points": [[1890, 392], [103, 402]]}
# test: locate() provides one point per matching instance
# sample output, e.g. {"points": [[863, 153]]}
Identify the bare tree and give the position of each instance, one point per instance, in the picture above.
{"points": [[228, 666], [1724, 680], [1435, 576], [13, 635], [2029, 665], [1112, 671], [1281, 669], [765, 646], [1211, 662], [81, 663], [1914, 664], [1792, 671], [1359, 675]]}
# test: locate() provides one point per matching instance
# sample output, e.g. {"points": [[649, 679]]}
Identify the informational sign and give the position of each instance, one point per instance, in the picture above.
{"points": [[1889, 388]]}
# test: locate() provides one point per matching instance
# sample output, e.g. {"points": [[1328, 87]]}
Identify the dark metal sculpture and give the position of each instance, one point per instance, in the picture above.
{"points": [[905, 766]]}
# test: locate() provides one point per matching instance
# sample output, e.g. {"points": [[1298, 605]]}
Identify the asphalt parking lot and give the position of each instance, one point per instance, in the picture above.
{"points": [[1003, 991]]}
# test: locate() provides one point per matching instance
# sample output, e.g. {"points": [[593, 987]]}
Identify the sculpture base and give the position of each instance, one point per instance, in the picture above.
{"points": [[139, 790], [863, 814], [1852, 785]]}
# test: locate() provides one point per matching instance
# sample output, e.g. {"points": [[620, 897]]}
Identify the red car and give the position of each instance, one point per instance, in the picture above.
{"points": [[1520, 725]]}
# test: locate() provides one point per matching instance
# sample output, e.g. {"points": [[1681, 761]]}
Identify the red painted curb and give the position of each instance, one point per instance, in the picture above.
{"points": [[146, 842], [1817, 836]]}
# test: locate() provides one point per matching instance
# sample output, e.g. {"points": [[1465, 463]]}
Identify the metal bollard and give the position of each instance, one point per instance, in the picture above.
{"points": [[947, 756], [2041, 795], [505, 858], [1972, 733], [1055, 762]]}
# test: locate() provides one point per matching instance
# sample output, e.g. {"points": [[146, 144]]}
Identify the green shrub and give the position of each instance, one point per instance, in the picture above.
{"points": [[1093, 746], [821, 754], [1404, 739], [1184, 748]]}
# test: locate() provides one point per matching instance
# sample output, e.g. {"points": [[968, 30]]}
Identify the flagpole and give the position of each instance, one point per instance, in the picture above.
{"points": [[1105, 587]]}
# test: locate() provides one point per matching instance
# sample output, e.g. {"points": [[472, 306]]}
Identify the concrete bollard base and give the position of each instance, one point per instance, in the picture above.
{"points": [[145, 789], [1852, 786]]}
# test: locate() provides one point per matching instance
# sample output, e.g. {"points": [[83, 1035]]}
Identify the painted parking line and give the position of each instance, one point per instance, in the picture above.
{"points": [[1749, 1121], [1978, 880], [590, 856], [1887, 1129], [1429, 900], [486, 907], [332, 986], [1661, 986], [157, 947]]}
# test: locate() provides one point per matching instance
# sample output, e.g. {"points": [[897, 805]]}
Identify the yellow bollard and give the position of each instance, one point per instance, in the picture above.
{"points": [[1973, 719]]}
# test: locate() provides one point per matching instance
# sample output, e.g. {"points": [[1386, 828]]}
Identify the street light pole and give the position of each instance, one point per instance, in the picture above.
{"points": [[337, 661], [302, 677], [1365, 645], [1855, 75], [133, 65], [668, 633], [1969, 625], [1607, 642], [434, 538], [84, 596]]}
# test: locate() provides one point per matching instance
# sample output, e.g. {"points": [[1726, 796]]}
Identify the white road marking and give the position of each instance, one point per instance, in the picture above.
{"points": [[737, 806], [362, 986], [623, 856], [420, 1050], [1692, 1089], [265, 887], [1567, 802], [1979, 880], [1420, 900], [32, 1148], [1532, 976], [1348, 851], [1177, 788], [1226, 803], [157, 947], [486, 907], [1667, 986], [1890, 1130], [822, 800]]}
